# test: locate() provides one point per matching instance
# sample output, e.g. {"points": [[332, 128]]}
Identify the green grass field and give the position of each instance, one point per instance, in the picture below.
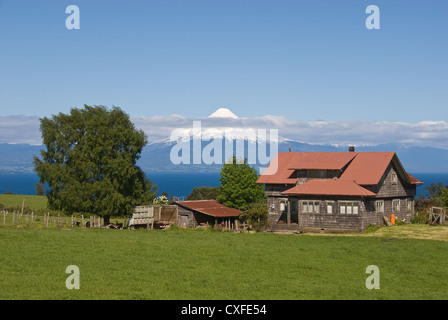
{"points": [[185, 264], [29, 201]]}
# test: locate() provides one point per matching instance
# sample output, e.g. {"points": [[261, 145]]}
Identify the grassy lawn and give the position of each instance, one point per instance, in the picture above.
{"points": [[16, 200], [183, 264]]}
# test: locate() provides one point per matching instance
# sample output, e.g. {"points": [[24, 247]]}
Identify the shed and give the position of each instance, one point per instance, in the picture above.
{"points": [[195, 212]]}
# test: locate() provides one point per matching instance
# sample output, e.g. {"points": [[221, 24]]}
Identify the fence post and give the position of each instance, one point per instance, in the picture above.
{"points": [[46, 220], [32, 217], [4, 217], [72, 221], [13, 217], [82, 219]]}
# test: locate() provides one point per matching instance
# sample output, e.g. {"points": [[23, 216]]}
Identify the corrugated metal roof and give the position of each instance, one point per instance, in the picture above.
{"points": [[210, 207], [329, 187]]}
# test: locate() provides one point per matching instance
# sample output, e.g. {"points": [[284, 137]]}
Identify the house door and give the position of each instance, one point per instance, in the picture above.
{"points": [[182, 221]]}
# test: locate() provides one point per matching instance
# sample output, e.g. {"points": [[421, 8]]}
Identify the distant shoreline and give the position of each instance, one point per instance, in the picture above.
{"points": [[178, 184]]}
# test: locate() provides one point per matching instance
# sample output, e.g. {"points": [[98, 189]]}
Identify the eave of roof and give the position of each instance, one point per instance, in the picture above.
{"points": [[329, 187], [413, 179]]}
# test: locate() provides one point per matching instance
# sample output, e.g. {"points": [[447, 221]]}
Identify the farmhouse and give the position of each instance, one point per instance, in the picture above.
{"points": [[195, 212], [337, 191]]}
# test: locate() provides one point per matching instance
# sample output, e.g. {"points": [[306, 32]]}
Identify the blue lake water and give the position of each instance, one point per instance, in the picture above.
{"points": [[177, 184]]}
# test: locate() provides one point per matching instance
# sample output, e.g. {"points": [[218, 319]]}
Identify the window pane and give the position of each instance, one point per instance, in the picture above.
{"points": [[380, 206], [355, 208], [329, 208], [349, 208], [343, 208], [316, 207], [305, 207]]}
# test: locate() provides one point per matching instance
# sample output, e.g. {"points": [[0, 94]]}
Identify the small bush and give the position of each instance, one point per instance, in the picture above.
{"points": [[420, 218]]}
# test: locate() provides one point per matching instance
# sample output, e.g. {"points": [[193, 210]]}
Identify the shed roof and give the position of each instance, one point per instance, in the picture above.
{"points": [[210, 207], [329, 187]]}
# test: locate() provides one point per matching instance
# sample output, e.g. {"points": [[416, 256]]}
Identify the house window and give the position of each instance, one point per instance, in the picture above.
{"points": [[311, 206], [330, 206], [409, 204], [396, 205], [313, 173], [379, 206], [348, 207], [394, 178], [282, 206]]}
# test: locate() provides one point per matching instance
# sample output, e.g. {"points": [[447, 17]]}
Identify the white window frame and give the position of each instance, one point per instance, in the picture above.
{"points": [[394, 178], [409, 204], [396, 203], [381, 209], [313, 204], [330, 206], [349, 207], [282, 206]]}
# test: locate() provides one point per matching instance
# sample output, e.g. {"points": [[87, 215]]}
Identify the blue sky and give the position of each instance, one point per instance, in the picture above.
{"points": [[305, 60]]}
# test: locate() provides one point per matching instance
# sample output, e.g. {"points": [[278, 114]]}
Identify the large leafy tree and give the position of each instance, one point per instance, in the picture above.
{"points": [[204, 193], [89, 163], [238, 184]]}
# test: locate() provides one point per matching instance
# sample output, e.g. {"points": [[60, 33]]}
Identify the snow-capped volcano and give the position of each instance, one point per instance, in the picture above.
{"points": [[223, 113]]}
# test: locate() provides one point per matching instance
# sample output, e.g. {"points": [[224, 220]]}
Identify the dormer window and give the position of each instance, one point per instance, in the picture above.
{"points": [[316, 173], [394, 178]]}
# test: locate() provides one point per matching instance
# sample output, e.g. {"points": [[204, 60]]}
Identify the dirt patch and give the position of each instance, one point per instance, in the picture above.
{"points": [[408, 231]]}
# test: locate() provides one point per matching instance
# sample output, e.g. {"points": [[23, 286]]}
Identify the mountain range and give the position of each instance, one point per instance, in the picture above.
{"points": [[155, 157], [163, 152]]}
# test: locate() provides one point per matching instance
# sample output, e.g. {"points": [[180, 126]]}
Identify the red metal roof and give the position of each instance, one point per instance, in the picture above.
{"points": [[367, 168], [278, 171], [321, 160], [210, 207], [360, 168], [329, 187], [414, 180]]}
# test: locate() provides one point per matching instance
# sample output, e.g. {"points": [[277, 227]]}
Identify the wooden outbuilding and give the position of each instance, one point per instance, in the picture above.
{"points": [[205, 212]]}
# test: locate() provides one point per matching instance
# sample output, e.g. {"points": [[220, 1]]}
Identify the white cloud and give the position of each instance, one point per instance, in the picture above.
{"points": [[20, 129], [25, 129], [354, 132]]}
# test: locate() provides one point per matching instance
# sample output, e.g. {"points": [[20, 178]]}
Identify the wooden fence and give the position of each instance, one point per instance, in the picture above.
{"points": [[30, 219]]}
